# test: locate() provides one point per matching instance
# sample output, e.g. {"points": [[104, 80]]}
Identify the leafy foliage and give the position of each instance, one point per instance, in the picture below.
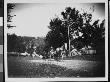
{"points": [[78, 23], [14, 44], [22, 44], [10, 6]]}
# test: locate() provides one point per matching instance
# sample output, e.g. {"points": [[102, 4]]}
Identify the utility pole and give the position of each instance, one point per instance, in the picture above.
{"points": [[68, 35], [69, 40]]}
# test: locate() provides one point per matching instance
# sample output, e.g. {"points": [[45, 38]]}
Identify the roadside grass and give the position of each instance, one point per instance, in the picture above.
{"points": [[21, 67]]}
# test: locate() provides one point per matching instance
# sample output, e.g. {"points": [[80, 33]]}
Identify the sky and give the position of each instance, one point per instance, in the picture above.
{"points": [[32, 19]]}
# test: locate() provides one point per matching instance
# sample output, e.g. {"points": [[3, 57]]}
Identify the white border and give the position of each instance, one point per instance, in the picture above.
{"points": [[5, 39], [55, 79], [56, 1]]}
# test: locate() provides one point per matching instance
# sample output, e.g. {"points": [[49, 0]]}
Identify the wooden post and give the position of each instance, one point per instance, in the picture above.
{"points": [[68, 35], [69, 40]]}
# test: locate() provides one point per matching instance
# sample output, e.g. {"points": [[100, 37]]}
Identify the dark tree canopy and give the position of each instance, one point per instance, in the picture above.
{"points": [[10, 7], [56, 37], [92, 33], [24, 43], [14, 44]]}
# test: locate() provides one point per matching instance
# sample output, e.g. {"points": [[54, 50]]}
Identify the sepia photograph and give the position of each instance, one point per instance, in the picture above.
{"points": [[56, 40]]}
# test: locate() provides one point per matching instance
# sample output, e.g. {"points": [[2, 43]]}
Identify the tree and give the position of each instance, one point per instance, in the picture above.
{"points": [[10, 6], [78, 23], [14, 43], [58, 34], [55, 37], [98, 37]]}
